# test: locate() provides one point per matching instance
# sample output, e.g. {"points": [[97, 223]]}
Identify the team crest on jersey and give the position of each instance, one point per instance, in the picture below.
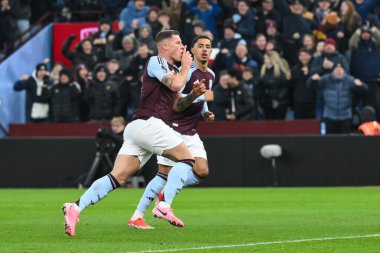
{"points": [[164, 69]]}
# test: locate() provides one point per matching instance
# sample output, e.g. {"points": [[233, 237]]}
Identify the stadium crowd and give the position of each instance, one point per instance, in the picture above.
{"points": [[274, 59]]}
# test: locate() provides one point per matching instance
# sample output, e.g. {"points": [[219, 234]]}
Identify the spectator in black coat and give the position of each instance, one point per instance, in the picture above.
{"points": [[244, 20], [64, 98], [303, 98], [102, 96], [84, 53]]}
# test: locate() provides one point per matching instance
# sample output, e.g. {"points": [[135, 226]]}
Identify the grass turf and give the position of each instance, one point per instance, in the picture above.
{"points": [[32, 221]]}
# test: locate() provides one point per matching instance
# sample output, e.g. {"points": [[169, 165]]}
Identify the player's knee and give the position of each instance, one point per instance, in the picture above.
{"points": [[201, 171]]}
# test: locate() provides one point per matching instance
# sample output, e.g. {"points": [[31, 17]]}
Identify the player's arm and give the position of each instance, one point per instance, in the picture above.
{"points": [[206, 114], [183, 102], [157, 68]]}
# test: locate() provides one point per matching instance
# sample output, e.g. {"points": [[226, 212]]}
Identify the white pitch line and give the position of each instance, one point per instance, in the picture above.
{"points": [[258, 243]]}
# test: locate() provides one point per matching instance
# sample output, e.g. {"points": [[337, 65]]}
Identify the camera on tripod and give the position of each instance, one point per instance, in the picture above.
{"points": [[107, 144]]}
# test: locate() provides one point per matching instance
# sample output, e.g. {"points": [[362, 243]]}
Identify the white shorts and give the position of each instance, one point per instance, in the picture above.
{"points": [[193, 143], [142, 138]]}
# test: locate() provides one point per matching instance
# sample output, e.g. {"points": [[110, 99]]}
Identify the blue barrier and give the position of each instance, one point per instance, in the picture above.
{"points": [[23, 61]]}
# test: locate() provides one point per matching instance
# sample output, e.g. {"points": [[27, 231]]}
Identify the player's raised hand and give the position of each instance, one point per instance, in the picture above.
{"points": [[186, 59], [209, 95], [199, 88], [209, 116]]}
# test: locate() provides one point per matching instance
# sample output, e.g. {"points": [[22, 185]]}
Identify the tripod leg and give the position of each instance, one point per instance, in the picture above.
{"points": [[93, 169], [108, 161]]}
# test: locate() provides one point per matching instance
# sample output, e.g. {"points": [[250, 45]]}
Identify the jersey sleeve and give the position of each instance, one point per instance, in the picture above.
{"points": [[158, 68]]}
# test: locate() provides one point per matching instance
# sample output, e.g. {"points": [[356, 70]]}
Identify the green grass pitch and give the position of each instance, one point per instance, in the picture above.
{"points": [[287, 220]]}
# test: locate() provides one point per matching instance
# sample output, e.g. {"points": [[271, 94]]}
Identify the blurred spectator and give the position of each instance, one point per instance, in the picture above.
{"points": [[64, 98], [164, 20], [258, 49], [230, 39], [84, 53], [351, 21], [194, 29], [8, 23], [36, 105], [138, 63], [208, 11], [125, 55], [116, 75], [239, 104], [369, 125], [319, 48], [296, 13], [324, 63], [239, 59], [220, 95], [365, 7], [337, 89], [303, 99], [133, 16], [232, 100], [322, 10], [308, 42], [102, 96], [244, 20], [365, 61], [176, 9], [54, 74], [264, 13], [331, 27], [274, 92], [152, 20], [82, 77], [250, 82], [101, 38], [145, 37], [273, 35]]}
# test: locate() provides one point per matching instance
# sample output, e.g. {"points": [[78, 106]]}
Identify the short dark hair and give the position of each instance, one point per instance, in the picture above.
{"points": [[235, 73], [165, 35], [194, 41]]}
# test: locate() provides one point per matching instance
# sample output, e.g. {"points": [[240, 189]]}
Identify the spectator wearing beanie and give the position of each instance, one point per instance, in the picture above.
{"points": [[152, 20], [124, 55], [264, 13], [324, 63], [36, 106], [64, 98], [100, 38]]}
